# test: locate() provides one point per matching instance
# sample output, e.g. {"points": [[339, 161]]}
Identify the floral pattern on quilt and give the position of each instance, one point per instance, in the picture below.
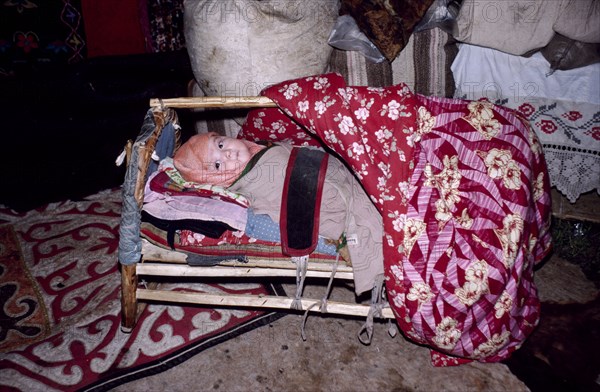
{"points": [[463, 190], [274, 125], [570, 135], [230, 243]]}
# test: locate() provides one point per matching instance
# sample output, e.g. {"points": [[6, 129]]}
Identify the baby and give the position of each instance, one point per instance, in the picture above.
{"points": [[210, 158], [258, 173]]}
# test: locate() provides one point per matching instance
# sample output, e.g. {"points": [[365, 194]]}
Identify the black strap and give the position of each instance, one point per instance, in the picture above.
{"points": [[301, 201], [195, 259]]}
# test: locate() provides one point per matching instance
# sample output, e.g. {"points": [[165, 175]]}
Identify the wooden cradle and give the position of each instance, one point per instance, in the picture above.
{"points": [[141, 258]]}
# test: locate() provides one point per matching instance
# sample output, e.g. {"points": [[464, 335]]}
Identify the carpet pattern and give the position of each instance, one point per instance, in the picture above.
{"points": [[23, 319], [60, 296]]}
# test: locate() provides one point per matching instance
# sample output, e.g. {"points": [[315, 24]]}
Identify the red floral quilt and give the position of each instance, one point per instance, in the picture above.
{"points": [[463, 190]]}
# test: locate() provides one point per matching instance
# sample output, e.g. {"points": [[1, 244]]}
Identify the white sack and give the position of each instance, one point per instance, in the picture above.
{"points": [[239, 47]]}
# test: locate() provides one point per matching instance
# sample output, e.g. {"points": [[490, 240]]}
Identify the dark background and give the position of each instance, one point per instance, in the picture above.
{"points": [[76, 77], [64, 128]]}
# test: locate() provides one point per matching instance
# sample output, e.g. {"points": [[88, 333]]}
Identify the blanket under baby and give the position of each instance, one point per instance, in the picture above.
{"points": [[463, 190]]}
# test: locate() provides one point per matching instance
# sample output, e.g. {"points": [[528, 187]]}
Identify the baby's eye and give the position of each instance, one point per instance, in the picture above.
{"points": [[220, 145], [217, 165]]}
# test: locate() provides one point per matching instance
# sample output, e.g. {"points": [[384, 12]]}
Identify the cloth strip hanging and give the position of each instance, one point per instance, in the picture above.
{"points": [[374, 311], [301, 267]]}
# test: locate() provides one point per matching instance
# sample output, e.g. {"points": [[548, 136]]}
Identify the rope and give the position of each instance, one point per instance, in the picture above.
{"points": [[323, 302], [301, 267], [374, 311], [329, 284]]}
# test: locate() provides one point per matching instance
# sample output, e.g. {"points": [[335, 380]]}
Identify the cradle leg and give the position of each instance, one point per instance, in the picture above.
{"points": [[128, 297]]}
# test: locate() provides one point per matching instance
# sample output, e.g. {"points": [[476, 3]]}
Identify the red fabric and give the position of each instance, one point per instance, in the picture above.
{"points": [[112, 27], [230, 243], [274, 125], [464, 194]]}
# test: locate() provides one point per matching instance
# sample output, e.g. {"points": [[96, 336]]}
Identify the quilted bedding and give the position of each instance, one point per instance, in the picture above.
{"points": [[463, 190], [210, 223]]}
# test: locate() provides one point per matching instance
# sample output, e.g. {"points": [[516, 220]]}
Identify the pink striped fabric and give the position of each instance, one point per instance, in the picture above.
{"points": [[463, 190]]}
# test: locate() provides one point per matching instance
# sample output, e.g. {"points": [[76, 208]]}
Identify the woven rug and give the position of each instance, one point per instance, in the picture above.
{"points": [[60, 304]]}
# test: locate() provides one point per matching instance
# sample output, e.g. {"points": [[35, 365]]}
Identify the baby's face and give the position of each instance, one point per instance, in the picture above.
{"points": [[225, 153]]}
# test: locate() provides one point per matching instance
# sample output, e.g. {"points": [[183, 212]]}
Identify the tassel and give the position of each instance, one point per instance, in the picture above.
{"points": [[301, 266], [121, 158], [374, 311]]}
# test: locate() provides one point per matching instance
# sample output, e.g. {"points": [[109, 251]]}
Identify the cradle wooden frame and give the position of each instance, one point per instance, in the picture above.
{"points": [[156, 261]]}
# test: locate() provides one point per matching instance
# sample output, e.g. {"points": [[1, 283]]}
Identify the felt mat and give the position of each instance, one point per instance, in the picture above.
{"points": [[60, 304]]}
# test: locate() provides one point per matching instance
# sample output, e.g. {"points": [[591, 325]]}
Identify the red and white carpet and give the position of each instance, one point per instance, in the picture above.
{"points": [[60, 304]]}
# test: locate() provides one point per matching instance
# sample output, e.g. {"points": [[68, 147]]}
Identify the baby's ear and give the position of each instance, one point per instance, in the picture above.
{"points": [[179, 165], [189, 173], [184, 154], [182, 163]]}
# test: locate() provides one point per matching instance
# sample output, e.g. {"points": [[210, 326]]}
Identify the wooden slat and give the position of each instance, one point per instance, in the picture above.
{"points": [[268, 302], [214, 102], [287, 264], [152, 252], [156, 253], [218, 271]]}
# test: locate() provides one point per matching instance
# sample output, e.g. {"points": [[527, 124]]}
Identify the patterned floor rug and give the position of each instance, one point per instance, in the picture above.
{"points": [[60, 304]]}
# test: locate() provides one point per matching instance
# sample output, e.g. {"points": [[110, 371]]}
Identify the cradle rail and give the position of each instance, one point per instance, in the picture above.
{"points": [[155, 253], [214, 102], [267, 301], [155, 257], [231, 271]]}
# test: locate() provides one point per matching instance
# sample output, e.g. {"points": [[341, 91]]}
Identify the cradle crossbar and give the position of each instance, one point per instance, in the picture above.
{"points": [[235, 269], [213, 102], [171, 264], [152, 261]]}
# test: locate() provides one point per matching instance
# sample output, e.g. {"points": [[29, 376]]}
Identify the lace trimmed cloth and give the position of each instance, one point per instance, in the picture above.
{"points": [[563, 108]]}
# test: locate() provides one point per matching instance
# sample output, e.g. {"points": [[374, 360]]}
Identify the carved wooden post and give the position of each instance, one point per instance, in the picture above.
{"points": [[129, 283]]}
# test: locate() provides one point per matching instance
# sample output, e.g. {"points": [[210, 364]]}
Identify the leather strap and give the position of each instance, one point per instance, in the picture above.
{"points": [[301, 201]]}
